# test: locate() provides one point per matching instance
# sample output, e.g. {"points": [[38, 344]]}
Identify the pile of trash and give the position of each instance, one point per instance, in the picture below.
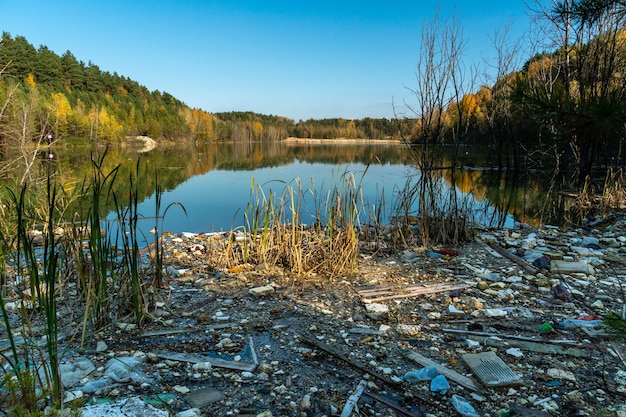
{"points": [[515, 323]]}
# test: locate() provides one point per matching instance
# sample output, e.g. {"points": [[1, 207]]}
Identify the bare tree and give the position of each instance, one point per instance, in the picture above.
{"points": [[440, 82]]}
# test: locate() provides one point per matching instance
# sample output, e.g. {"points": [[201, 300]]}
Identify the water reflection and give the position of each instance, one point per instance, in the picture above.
{"points": [[213, 181]]}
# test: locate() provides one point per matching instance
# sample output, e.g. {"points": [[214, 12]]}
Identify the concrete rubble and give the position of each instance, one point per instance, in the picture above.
{"points": [[507, 325]]}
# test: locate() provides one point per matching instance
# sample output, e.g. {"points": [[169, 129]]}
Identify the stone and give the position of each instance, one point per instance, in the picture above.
{"points": [[261, 291], [192, 412], [495, 312], [408, 330], [515, 352], [452, 310], [202, 397], [561, 374], [130, 407], [181, 389], [376, 310]]}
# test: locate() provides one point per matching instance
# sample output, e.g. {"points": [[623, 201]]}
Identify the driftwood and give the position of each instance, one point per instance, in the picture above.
{"points": [[388, 293], [519, 261], [353, 399], [389, 404], [342, 355]]}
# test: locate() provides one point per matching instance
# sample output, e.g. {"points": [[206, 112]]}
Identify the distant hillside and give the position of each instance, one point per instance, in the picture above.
{"points": [[74, 99]]}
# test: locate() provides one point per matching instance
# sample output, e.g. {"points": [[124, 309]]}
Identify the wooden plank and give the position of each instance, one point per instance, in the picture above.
{"points": [[353, 399], [519, 261], [389, 404], [447, 372], [344, 357], [432, 289]]}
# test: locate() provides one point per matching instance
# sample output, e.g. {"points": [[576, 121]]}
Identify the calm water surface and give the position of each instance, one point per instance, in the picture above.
{"points": [[216, 199], [213, 182]]}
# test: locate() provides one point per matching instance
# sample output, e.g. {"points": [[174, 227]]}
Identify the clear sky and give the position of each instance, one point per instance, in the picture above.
{"points": [[300, 59]]}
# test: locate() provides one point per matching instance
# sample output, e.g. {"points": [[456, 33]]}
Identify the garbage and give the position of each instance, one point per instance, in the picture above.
{"points": [[448, 252], [570, 324], [561, 292], [490, 369], [542, 263], [425, 374], [463, 407], [439, 386], [546, 328]]}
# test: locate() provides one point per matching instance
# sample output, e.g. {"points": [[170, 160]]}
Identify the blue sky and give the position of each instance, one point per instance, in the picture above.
{"points": [[313, 59]]}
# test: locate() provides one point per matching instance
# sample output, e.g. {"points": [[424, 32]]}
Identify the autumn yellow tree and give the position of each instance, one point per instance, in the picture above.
{"points": [[61, 113]]}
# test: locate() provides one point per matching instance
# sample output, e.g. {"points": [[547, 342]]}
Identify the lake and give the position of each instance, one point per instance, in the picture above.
{"points": [[214, 182]]}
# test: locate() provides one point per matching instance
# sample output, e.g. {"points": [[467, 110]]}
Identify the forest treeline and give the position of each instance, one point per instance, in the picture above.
{"points": [[74, 99], [565, 108]]}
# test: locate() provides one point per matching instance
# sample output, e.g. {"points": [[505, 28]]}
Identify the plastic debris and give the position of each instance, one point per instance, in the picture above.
{"points": [[448, 252], [561, 292], [439, 386], [576, 323], [541, 263], [463, 407], [425, 374], [546, 328]]}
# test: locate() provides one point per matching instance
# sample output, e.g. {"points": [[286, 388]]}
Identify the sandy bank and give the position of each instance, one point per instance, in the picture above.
{"points": [[341, 141]]}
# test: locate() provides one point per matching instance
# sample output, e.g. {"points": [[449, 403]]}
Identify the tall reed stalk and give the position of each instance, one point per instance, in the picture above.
{"points": [[128, 218], [101, 248], [280, 233], [34, 371]]}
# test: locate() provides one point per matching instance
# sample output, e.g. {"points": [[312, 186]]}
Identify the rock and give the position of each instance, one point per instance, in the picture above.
{"points": [[452, 310], [261, 291], [376, 311], [515, 352], [495, 312], [192, 412], [620, 378], [203, 397], [561, 374], [130, 407], [408, 330], [181, 389]]}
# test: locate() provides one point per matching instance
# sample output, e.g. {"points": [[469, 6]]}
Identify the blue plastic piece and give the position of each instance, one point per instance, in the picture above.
{"points": [[439, 386], [424, 374]]}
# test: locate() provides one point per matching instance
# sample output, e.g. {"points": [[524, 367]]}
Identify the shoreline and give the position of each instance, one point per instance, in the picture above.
{"points": [[341, 141]]}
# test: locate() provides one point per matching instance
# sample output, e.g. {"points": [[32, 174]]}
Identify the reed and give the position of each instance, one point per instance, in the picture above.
{"points": [[158, 254], [32, 370], [128, 218], [90, 253], [283, 234]]}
